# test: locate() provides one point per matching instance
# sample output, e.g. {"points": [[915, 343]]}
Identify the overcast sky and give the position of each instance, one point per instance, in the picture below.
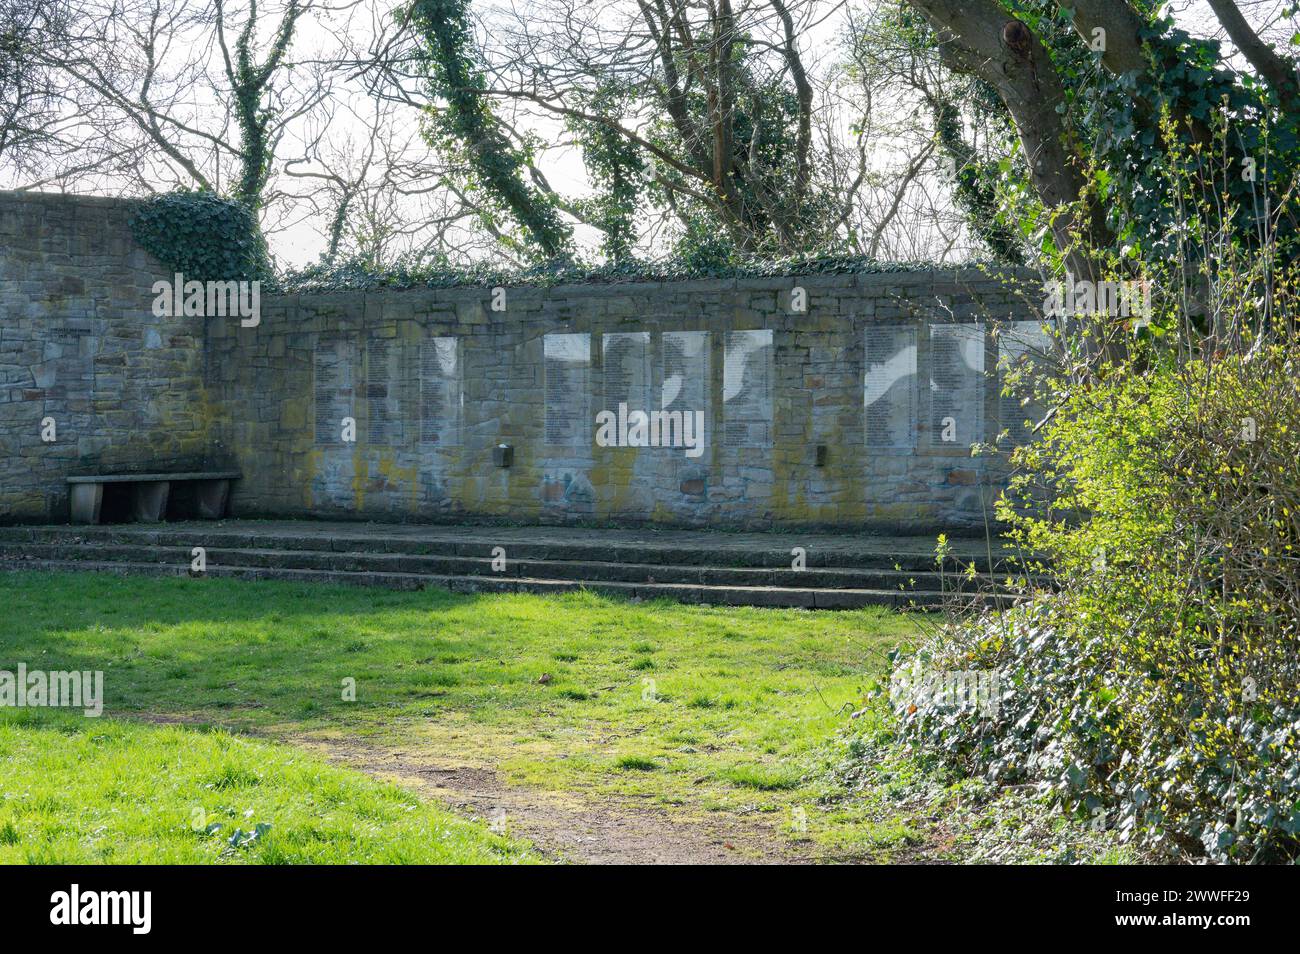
{"points": [[296, 227]]}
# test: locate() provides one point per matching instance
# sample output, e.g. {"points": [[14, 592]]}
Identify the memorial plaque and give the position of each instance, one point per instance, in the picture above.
{"points": [[384, 371], [889, 386], [956, 384], [747, 388], [625, 370], [1023, 346], [685, 360], [441, 391], [685, 381], [568, 389], [333, 387]]}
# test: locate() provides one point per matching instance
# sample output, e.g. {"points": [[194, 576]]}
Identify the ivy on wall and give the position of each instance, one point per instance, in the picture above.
{"points": [[208, 238], [203, 236], [354, 276]]}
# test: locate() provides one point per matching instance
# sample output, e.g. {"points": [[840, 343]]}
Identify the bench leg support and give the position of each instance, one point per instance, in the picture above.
{"points": [[212, 496], [86, 502], [149, 500]]}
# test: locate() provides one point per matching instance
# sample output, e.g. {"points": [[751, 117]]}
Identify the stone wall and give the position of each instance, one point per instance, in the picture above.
{"points": [[772, 475], [813, 416], [81, 351]]}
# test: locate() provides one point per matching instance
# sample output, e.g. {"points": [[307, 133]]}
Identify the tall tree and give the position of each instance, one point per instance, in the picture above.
{"points": [[445, 45], [27, 92], [186, 93], [1102, 148], [701, 118], [250, 80]]}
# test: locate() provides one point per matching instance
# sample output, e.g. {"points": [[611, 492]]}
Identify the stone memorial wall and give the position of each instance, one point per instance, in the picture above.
{"points": [[89, 376], [710, 402]]}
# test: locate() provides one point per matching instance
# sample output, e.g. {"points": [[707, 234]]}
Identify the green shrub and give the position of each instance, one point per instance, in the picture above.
{"points": [[1155, 687]]}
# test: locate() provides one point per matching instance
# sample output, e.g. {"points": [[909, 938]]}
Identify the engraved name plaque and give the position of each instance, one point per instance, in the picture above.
{"points": [[1023, 348], [747, 388], [441, 392], [384, 370], [889, 386], [625, 370], [333, 387], [568, 389], [956, 384]]}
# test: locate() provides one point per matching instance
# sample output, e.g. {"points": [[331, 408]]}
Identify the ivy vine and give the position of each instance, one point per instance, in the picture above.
{"points": [[467, 126], [616, 171], [203, 236], [725, 263], [975, 186]]}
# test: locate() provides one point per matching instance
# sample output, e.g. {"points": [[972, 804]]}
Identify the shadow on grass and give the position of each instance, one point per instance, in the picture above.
{"points": [[252, 653]]}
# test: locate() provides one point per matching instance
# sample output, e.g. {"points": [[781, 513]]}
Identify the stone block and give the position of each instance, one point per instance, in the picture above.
{"points": [[85, 502], [211, 497], [149, 500]]}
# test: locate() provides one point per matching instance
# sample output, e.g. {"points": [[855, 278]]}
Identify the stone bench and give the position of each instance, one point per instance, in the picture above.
{"points": [[149, 494]]}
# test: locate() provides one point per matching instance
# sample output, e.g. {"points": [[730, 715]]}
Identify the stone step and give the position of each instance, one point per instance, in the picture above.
{"points": [[767, 596], [771, 551], [363, 562]]}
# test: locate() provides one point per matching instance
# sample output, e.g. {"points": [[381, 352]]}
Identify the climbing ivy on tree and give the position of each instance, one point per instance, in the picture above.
{"points": [[1246, 151], [496, 168], [253, 94], [975, 186], [614, 166], [203, 236], [249, 80], [763, 134], [1148, 118]]}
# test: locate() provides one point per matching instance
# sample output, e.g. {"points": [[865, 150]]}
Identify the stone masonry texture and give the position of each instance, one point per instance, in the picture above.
{"points": [[130, 392], [81, 350]]}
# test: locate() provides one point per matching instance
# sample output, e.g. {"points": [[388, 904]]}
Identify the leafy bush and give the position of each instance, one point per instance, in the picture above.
{"points": [[203, 236], [1155, 687]]}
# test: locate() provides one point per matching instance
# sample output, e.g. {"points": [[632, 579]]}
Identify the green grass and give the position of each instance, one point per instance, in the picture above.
{"points": [[637, 763], [761, 777], [87, 791], [701, 709], [725, 704]]}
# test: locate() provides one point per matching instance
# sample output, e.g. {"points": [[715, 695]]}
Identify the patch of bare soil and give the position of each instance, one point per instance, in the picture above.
{"points": [[573, 828], [565, 826]]}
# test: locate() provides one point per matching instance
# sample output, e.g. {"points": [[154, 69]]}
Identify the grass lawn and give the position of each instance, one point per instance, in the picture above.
{"points": [[85, 791], [706, 711]]}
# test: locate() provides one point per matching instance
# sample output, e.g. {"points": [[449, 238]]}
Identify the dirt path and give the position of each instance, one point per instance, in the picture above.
{"points": [[563, 826], [571, 828]]}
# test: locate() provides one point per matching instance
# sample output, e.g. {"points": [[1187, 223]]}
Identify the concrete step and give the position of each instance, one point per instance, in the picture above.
{"points": [[768, 596], [719, 550], [369, 562], [725, 568]]}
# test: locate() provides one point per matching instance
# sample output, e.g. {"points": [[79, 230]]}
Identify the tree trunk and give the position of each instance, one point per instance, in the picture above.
{"points": [[977, 36]]}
